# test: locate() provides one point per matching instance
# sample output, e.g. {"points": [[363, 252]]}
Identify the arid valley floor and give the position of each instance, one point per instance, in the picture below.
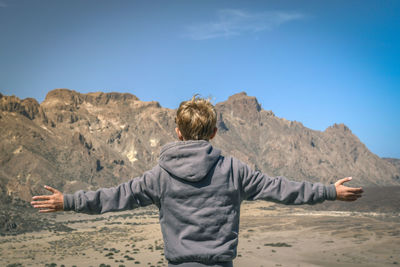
{"points": [[270, 235]]}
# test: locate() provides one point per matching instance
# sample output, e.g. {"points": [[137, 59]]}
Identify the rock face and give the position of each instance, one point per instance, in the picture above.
{"points": [[395, 162], [85, 141]]}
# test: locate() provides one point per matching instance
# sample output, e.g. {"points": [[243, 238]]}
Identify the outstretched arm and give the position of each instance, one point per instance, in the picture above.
{"points": [[140, 191], [345, 193], [49, 203], [256, 185]]}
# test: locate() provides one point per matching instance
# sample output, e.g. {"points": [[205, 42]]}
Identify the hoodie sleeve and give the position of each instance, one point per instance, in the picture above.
{"points": [[138, 192], [256, 185]]}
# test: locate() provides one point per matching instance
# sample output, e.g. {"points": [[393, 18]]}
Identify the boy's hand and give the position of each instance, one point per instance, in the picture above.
{"points": [[345, 193], [49, 203]]}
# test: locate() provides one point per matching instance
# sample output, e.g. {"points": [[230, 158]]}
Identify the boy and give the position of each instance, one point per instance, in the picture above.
{"points": [[198, 192]]}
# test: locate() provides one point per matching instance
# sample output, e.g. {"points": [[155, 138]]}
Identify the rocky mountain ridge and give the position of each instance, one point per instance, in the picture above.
{"points": [[84, 141]]}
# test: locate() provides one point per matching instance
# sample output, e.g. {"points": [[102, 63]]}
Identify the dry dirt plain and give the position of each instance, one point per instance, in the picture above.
{"points": [[270, 235]]}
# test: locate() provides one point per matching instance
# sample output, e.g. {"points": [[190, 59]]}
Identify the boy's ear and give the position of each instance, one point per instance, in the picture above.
{"points": [[178, 132], [214, 133]]}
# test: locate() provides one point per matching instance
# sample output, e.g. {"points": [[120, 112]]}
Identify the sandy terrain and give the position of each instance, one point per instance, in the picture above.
{"points": [[270, 235]]}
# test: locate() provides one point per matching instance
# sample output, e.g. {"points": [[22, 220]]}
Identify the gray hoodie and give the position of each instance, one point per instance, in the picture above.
{"points": [[198, 193]]}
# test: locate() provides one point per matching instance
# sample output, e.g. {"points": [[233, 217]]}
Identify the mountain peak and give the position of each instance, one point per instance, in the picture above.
{"points": [[61, 93], [241, 105], [67, 97], [341, 127], [105, 98], [250, 102], [27, 107]]}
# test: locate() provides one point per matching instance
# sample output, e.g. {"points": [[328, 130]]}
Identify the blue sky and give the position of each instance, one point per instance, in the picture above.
{"points": [[317, 62]]}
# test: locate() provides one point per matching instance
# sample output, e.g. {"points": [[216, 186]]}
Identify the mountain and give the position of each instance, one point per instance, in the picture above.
{"points": [[281, 147], [77, 141]]}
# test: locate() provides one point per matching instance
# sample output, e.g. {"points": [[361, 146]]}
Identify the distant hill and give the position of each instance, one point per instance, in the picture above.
{"points": [[85, 141]]}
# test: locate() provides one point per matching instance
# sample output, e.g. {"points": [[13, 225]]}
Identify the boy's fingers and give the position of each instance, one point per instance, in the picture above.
{"points": [[352, 194], [39, 202], [43, 206], [41, 197], [47, 210], [342, 181], [350, 190], [355, 190], [51, 189]]}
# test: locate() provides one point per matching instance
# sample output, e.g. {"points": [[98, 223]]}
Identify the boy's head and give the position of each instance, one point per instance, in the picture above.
{"points": [[196, 119]]}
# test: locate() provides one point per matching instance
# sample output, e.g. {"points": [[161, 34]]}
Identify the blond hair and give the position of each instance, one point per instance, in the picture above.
{"points": [[196, 119]]}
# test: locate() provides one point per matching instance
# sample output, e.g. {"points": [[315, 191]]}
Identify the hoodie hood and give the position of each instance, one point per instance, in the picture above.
{"points": [[189, 160]]}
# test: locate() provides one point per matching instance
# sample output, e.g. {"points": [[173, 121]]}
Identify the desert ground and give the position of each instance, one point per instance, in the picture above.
{"points": [[270, 235]]}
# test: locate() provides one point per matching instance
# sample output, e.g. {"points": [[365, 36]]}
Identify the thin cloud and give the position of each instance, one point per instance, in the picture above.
{"points": [[3, 4], [234, 22]]}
